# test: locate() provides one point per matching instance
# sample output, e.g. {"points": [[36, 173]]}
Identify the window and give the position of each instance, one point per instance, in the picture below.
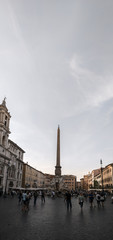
{"points": [[11, 172], [5, 121]]}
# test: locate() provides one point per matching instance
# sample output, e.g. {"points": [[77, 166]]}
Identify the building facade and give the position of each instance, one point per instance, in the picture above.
{"points": [[78, 186], [92, 178], [85, 182], [32, 178], [69, 182], [11, 155], [108, 176], [101, 178], [98, 179], [82, 183], [49, 181]]}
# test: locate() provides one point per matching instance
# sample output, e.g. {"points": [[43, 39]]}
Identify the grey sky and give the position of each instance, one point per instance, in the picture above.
{"points": [[56, 60]]}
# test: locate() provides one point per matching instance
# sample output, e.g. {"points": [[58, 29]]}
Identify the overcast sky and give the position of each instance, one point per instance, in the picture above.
{"points": [[56, 67]]}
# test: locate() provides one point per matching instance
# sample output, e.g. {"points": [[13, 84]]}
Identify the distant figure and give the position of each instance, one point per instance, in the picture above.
{"points": [[43, 196], [28, 198], [24, 196], [91, 198], [98, 199], [1, 192], [102, 198], [112, 199], [12, 193], [81, 200], [35, 197], [20, 197], [68, 200], [53, 194]]}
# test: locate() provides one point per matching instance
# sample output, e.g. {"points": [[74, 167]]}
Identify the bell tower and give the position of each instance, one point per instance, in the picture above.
{"points": [[4, 124]]}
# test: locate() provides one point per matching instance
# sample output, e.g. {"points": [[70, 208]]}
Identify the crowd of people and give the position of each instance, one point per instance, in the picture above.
{"points": [[25, 197], [95, 198]]}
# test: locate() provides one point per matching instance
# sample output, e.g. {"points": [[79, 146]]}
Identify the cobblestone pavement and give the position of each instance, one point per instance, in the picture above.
{"points": [[52, 221]]}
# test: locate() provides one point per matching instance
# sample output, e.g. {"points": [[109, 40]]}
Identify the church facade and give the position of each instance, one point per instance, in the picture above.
{"points": [[11, 155]]}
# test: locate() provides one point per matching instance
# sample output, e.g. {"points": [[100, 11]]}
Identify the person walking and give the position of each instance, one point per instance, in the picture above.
{"points": [[35, 197], [24, 196], [98, 199], [102, 198], [53, 195], [20, 197], [43, 196], [68, 200], [28, 198], [91, 198], [81, 200], [112, 199]]}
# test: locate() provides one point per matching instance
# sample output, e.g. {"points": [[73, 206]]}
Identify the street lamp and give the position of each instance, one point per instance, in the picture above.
{"points": [[101, 173]]}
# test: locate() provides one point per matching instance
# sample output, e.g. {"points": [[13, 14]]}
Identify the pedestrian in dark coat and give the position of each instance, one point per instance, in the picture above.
{"points": [[68, 200]]}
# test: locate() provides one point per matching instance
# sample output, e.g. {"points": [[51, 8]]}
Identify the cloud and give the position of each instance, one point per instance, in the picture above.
{"points": [[94, 89], [16, 29]]}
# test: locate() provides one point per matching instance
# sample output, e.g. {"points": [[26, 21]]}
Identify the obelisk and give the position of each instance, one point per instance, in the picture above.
{"points": [[58, 167]]}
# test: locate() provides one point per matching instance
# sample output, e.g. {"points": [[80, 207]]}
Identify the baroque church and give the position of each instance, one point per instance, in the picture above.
{"points": [[11, 155]]}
